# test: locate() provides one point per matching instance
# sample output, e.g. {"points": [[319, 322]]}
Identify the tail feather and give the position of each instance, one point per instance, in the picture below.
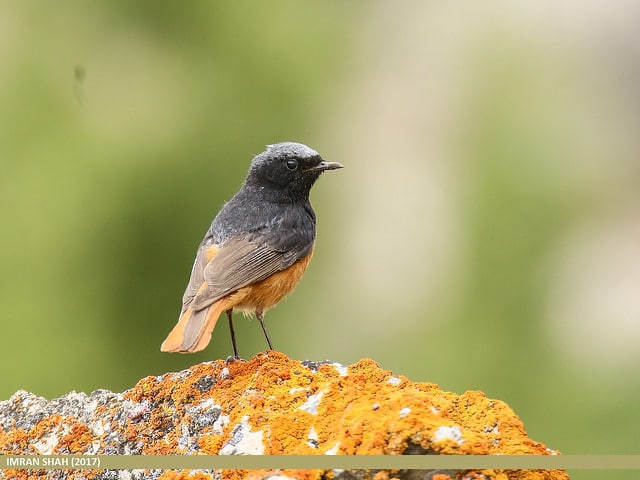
{"points": [[192, 333]]}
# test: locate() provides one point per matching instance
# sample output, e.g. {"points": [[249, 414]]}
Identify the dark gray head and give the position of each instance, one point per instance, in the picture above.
{"points": [[289, 169]]}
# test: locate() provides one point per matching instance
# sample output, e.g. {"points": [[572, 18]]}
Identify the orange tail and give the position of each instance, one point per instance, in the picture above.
{"points": [[192, 333]]}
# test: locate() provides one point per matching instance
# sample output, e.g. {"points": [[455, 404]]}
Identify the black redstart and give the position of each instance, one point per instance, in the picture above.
{"points": [[257, 248]]}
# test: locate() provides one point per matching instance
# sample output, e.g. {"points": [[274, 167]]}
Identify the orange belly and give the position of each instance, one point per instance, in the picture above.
{"points": [[266, 293], [193, 331]]}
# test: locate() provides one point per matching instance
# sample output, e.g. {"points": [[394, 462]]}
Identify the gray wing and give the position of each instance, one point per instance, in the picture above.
{"points": [[238, 263], [197, 276]]}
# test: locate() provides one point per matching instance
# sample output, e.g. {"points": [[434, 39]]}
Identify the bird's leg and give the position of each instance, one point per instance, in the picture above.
{"points": [[260, 317], [233, 334]]}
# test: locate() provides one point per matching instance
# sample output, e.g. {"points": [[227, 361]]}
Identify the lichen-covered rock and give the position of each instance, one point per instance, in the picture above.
{"points": [[270, 405]]}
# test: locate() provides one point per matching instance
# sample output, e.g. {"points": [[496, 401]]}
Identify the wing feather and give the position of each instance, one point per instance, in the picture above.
{"points": [[238, 263]]}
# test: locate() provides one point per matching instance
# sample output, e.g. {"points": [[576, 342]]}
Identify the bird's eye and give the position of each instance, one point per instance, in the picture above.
{"points": [[292, 164]]}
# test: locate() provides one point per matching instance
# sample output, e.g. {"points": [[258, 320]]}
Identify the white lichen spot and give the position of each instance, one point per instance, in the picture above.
{"points": [[125, 474], [311, 405], [185, 437], [433, 409], [206, 405], [221, 422], [46, 444], [404, 412], [244, 441], [98, 427], [342, 370], [333, 450], [312, 438], [94, 448], [395, 381], [448, 433]]}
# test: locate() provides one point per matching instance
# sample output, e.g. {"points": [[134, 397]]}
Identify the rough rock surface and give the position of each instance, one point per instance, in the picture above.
{"points": [[269, 405]]}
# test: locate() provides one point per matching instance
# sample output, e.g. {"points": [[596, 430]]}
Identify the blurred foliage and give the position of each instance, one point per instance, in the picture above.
{"points": [[125, 126]]}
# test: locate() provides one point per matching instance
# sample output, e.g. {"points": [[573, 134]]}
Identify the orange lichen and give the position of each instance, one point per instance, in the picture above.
{"points": [[273, 405], [183, 474], [75, 440]]}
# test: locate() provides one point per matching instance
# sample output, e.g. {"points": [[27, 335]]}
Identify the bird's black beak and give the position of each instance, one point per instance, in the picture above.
{"points": [[322, 166]]}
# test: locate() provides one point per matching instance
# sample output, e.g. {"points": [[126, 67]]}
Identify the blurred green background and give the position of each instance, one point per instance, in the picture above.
{"points": [[485, 233]]}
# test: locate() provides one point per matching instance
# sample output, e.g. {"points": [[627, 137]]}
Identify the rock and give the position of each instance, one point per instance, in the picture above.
{"points": [[270, 405]]}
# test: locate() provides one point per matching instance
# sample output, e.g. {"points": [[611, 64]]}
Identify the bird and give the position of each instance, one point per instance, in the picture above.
{"points": [[257, 247]]}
